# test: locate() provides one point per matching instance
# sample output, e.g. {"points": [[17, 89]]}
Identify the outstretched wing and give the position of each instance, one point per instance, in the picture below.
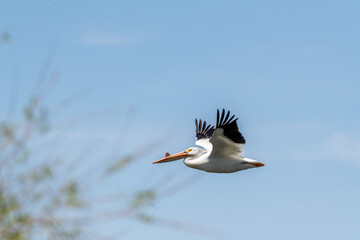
{"points": [[229, 126], [226, 139], [203, 131]]}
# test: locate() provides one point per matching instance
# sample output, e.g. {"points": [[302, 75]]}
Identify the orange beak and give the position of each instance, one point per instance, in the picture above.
{"points": [[174, 157]]}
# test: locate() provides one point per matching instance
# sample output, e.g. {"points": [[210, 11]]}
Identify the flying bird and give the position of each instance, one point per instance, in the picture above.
{"points": [[221, 147]]}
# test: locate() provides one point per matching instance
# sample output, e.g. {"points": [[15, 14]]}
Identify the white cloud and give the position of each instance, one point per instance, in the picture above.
{"points": [[304, 142], [345, 147], [338, 147], [108, 39]]}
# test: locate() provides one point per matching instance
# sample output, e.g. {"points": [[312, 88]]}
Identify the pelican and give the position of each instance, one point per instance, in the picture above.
{"points": [[221, 147]]}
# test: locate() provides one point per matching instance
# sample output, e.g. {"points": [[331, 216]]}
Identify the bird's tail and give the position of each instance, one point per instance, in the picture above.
{"points": [[254, 162]]}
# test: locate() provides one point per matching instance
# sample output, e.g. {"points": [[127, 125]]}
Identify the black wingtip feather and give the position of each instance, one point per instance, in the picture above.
{"points": [[227, 116], [229, 126], [222, 116], [203, 130], [232, 118], [223, 121]]}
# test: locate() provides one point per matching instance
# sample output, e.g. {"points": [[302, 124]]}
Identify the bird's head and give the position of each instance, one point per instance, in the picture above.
{"points": [[190, 153]]}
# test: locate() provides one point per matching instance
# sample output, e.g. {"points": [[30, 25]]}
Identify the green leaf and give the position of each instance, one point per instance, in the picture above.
{"points": [[7, 131], [40, 174], [71, 194], [145, 218], [29, 110], [120, 164], [143, 198]]}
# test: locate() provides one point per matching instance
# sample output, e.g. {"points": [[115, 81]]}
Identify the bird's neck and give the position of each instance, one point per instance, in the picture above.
{"points": [[197, 160]]}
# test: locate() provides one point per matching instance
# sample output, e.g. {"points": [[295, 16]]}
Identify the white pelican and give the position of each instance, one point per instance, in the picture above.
{"points": [[222, 150]]}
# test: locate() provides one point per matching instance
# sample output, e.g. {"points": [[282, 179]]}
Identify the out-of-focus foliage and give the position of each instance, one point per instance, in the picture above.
{"points": [[25, 202], [38, 117], [37, 201], [71, 193], [119, 164], [33, 196], [5, 37], [141, 200]]}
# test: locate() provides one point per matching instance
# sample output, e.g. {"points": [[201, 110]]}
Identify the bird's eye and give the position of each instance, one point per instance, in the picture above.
{"points": [[189, 150]]}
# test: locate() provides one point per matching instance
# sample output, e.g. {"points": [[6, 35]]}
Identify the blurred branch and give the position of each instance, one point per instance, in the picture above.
{"points": [[183, 226], [43, 196], [14, 95], [178, 186], [43, 77]]}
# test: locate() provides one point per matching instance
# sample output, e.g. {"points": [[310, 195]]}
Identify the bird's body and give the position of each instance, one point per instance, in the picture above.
{"points": [[222, 148]]}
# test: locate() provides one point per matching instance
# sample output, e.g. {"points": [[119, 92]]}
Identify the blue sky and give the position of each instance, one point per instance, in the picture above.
{"points": [[288, 69]]}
